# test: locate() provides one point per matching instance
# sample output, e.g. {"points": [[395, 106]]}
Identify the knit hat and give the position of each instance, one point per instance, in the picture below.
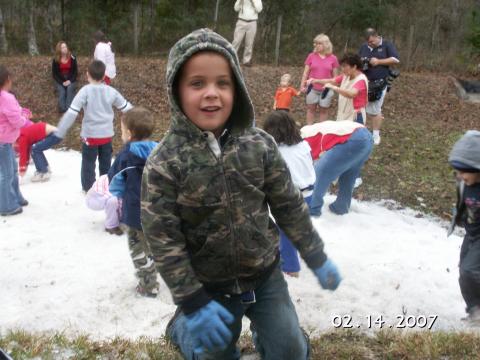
{"points": [[465, 154]]}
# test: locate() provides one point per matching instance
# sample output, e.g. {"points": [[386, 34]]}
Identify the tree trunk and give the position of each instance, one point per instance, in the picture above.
{"points": [[410, 45], [49, 18], [215, 17], [277, 40], [32, 39], [62, 10], [136, 32], [3, 37]]}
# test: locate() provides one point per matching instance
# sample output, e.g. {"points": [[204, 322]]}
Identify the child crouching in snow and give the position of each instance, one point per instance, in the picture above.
{"points": [[296, 153], [465, 159], [100, 198], [125, 180], [32, 140]]}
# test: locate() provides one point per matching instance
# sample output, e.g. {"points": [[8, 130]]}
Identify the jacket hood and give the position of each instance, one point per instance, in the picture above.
{"points": [[142, 148], [466, 151], [242, 116]]}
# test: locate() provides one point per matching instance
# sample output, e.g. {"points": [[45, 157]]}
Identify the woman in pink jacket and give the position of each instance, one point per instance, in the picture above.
{"points": [[11, 120]]}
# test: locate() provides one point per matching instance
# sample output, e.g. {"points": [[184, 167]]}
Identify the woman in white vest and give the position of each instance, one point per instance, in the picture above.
{"points": [[352, 88], [104, 53]]}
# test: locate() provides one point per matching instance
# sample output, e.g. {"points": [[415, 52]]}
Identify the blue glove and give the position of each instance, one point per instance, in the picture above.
{"points": [[207, 327], [328, 275]]}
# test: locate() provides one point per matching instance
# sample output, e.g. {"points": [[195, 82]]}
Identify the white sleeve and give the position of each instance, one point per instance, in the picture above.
{"points": [[69, 117], [99, 53], [257, 4], [121, 103], [236, 7]]}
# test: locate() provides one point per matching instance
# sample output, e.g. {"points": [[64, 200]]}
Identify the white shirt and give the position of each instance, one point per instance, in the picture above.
{"points": [[104, 53], [248, 9], [300, 163]]}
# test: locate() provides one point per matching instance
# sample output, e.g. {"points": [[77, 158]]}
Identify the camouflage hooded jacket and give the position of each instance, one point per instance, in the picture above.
{"points": [[205, 203]]}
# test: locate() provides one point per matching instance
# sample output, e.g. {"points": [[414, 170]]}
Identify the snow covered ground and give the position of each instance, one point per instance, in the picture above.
{"points": [[59, 269]]}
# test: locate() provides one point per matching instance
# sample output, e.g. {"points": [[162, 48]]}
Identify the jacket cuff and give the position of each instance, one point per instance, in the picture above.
{"points": [[195, 301], [316, 259]]}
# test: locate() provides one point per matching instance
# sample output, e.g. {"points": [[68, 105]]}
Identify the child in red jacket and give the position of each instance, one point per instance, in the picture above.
{"points": [[30, 134]]}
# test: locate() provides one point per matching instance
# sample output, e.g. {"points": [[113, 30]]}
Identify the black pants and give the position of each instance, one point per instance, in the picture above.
{"points": [[89, 158], [470, 272]]}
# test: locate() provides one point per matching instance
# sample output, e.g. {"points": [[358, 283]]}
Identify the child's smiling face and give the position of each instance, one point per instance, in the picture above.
{"points": [[206, 90]]}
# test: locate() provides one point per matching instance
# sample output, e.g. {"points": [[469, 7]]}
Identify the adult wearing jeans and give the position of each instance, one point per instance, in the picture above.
{"points": [[343, 147], [379, 54], [64, 71], [246, 27]]}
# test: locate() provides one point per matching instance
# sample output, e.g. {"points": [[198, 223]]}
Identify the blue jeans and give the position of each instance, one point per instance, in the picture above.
{"points": [[89, 158], [277, 336], [288, 252], [38, 157], [343, 161], [65, 96], [10, 195]]}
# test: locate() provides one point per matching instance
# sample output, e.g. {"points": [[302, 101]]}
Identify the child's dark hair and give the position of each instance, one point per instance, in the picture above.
{"points": [[352, 60], [96, 69], [4, 75], [282, 127], [139, 121]]}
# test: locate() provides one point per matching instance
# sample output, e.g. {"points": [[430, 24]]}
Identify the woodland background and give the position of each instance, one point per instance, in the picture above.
{"points": [[430, 34]]}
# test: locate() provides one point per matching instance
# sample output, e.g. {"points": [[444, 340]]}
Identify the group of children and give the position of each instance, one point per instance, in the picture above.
{"points": [[203, 213], [117, 190]]}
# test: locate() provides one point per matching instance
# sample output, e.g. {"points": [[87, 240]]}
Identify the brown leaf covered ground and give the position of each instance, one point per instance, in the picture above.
{"points": [[423, 116]]}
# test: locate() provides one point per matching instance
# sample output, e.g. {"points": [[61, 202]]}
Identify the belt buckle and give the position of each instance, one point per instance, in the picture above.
{"points": [[248, 297]]}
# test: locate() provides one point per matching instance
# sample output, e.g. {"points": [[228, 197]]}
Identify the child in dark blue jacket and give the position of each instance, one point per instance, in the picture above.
{"points": [[125, 177]]}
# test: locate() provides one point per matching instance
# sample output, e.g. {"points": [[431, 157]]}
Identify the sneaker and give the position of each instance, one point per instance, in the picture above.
{"points": [[115, 231], [151, 293], [358, 182], [473, 318], [24, 203], [41, 177], [13, 212], [376, 139]]}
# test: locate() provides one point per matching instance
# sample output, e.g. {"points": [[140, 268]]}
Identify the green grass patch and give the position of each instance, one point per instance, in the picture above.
{"points": [[339, 344]]}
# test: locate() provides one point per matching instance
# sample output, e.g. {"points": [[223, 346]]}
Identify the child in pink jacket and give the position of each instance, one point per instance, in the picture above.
{"points": [[12, 118]]}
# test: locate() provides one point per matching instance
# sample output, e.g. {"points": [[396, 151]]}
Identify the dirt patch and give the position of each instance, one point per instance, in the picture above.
{"points": [[424, 117]]}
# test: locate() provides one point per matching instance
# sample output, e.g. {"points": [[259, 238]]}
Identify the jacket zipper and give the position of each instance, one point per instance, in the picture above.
{"points": [[229, 211]]}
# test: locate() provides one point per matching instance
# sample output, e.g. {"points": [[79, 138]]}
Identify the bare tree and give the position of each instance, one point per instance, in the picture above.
{"points": [[32, 39], [136, 28], [3, 37]]}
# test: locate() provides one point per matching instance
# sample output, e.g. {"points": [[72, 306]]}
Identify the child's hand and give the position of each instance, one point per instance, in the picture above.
{"points": [[328, 275], [27, 113], [329, 86]]}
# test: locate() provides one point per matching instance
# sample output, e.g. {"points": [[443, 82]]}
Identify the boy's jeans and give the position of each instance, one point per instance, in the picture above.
{"points": [[10, 195], [38, 157], [65, 96], [278, 335], [89, 157], [343, 161], [470, 272], [288, 252]]}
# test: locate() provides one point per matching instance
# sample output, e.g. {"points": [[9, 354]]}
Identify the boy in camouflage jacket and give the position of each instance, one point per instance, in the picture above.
{"points": [[206, 194]]}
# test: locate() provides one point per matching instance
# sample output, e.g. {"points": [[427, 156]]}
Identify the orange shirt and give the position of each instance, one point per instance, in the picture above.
{"points": [[283, 97]]}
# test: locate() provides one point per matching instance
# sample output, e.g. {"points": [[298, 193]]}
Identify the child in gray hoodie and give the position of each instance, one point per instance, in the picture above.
{"points": [[465, 159]]}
